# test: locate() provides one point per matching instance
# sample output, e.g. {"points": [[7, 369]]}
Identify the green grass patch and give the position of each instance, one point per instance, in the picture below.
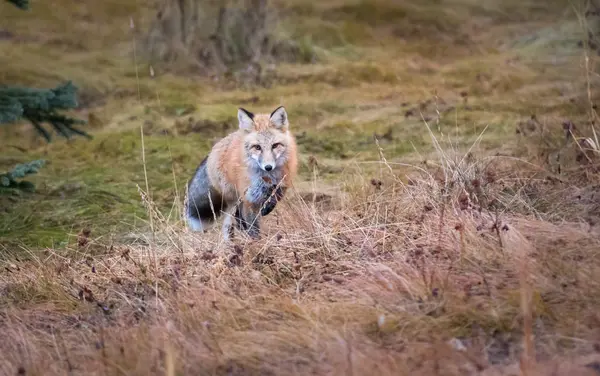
{"points": [[94, 184]]}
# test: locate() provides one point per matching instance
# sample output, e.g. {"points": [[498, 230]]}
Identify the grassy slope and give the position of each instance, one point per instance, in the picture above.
{"points": [[349, 289], [377, 63]]}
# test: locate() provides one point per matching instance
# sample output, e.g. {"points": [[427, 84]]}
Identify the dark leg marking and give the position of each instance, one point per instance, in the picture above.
{"points": [[269, 206]]}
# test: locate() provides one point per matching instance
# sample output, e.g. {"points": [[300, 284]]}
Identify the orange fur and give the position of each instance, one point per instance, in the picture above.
{"points": [[227, 158]]}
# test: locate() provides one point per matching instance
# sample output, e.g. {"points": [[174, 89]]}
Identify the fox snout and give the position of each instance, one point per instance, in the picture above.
{"points": [[267, 161]]}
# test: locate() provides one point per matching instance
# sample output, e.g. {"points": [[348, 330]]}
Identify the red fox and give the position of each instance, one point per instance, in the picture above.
{"points": [[244, 175]]}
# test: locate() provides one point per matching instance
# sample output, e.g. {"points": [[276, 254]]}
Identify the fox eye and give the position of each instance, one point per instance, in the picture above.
{"points": [[256, 147], [276, 145]]}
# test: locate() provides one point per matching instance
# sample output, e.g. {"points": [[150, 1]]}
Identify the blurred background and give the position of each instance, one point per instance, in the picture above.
{"points": [[100, 97]]}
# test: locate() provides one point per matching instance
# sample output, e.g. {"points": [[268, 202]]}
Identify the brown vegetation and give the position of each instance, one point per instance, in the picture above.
{"points": [[435, 276]]}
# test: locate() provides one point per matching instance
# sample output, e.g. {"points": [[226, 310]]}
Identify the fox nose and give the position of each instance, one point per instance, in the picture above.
{"points": [[268, 167]]}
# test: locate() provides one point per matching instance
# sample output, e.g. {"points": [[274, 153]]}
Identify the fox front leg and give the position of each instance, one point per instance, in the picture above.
{"points": [[248, 220], [228, 223]]}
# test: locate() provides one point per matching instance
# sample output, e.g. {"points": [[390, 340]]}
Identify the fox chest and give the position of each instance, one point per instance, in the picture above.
{"points": [[261, 188]]}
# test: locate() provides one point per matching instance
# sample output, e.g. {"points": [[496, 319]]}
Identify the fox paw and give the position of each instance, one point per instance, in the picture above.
{"points": [[272, 200], [268, 208]]}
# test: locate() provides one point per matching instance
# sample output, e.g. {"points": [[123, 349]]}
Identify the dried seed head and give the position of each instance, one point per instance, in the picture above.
{"points": [[376, 183], [312, 162]]}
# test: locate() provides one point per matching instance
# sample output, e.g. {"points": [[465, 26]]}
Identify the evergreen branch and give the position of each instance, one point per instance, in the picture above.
{"points": [[21, 4], [62, 124], [8, 180], [74, 130], [60, 128], [40, 106], [41, 130], [10, 109], [62, 97]]}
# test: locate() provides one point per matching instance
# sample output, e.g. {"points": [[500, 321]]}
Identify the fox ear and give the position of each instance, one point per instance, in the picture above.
{"points": [[279, 118], [246, 118]]}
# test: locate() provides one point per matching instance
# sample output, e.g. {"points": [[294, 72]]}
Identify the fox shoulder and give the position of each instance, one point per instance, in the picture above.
{"points": [[225, 162]]}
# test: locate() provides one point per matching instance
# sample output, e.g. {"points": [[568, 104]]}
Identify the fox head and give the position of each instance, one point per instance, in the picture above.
{"points": [[266, 138]]}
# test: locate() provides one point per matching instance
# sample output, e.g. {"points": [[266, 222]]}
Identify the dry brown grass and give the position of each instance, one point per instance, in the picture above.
{"points": [[471, 264], [434, 276]]}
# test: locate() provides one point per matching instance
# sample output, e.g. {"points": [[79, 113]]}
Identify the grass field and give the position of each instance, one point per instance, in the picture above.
{"points": [[444, 222]]}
